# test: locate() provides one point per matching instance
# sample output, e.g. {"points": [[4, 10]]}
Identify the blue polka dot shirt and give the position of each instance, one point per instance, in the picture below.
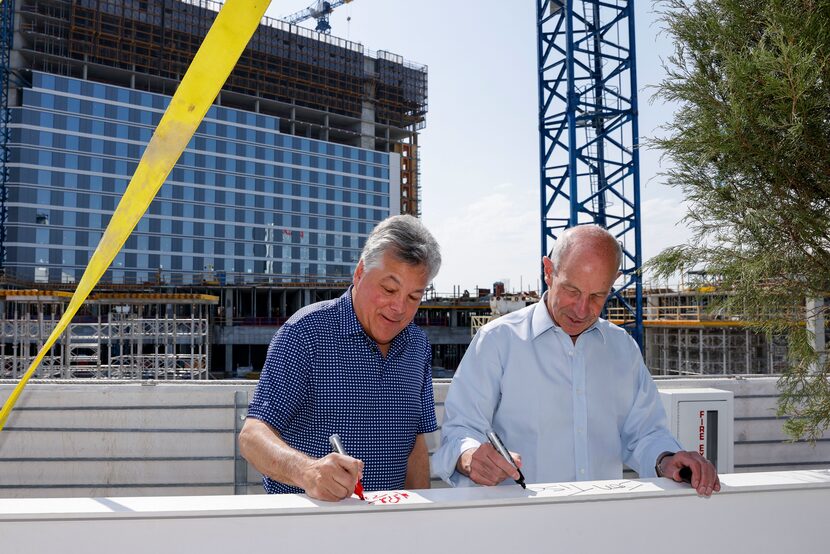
{"points": [[324, 375]]}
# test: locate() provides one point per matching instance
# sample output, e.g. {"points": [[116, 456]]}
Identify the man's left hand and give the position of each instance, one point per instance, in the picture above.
{"points": [[704, 475]]}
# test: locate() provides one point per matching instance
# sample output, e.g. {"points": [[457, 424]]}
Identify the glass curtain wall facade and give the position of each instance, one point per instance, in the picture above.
{"points": [[243, 204]]}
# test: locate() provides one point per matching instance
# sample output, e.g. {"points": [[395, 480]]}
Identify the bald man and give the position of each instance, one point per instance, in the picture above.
{"points": [[563, 388]]}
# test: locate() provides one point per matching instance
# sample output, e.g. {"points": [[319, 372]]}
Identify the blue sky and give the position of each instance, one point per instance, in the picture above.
{"points": [[479, 150]]}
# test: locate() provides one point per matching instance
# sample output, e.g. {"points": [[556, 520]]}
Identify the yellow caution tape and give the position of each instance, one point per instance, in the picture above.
{"points": [[224, 43]]}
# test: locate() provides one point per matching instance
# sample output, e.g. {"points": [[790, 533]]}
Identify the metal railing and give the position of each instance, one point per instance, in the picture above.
{"points": [[670, 313]]}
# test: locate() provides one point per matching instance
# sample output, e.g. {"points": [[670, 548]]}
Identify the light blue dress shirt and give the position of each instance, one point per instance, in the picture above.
{"points": [[574, 412]]}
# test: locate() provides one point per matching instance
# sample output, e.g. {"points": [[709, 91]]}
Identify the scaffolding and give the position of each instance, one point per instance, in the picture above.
{"points": [[410, 177], [706, 350], [283, 62], [119, 336], [687, 333], [401, 91]]}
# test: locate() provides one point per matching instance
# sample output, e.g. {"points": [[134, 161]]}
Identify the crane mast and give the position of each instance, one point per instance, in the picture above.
{"points": [[589, 138]]}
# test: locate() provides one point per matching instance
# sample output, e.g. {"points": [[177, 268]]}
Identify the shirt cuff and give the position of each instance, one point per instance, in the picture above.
{"points": [[660, 458], [649, 460], [467, 443], [446, 458]]}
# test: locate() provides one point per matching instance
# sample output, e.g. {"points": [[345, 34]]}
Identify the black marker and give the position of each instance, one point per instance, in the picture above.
{"points": [[499, 446]]}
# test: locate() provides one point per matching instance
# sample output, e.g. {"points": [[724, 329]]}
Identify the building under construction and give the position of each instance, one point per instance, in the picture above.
{"points": [[117, 335], [684, 336], [311, 142]]}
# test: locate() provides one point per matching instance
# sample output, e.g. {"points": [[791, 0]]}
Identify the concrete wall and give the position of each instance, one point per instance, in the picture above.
{"points": [[760, 442], [121, 439], [764, 512], [132, 439]]}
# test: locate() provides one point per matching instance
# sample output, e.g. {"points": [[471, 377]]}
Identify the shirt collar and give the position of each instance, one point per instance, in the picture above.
{"points": [[350, 325], [542, 321]]}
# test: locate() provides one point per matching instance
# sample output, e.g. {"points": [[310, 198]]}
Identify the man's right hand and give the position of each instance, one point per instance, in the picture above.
{"points": [[332, 477], [485, 466]]}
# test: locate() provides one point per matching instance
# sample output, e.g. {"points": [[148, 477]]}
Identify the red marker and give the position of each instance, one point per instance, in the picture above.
{"points": [[358, 490], [337, 446]]}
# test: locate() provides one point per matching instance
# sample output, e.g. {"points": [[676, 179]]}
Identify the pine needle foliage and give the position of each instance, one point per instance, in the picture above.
{"points": [[750, 150]]}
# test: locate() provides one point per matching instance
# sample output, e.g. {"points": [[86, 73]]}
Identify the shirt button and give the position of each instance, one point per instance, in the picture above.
{"points": [[582, 471], [570, 352]]}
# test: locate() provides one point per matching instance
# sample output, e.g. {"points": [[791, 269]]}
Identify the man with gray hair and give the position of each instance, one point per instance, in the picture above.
{"points": [[567, 390], [357, 367]]}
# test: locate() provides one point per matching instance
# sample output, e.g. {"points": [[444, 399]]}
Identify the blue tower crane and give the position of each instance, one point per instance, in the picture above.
{"points": [[320, 11], [588, 145]]}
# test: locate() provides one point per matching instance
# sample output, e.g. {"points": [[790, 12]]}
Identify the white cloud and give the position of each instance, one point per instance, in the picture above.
{"points": [[495, 237]]}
